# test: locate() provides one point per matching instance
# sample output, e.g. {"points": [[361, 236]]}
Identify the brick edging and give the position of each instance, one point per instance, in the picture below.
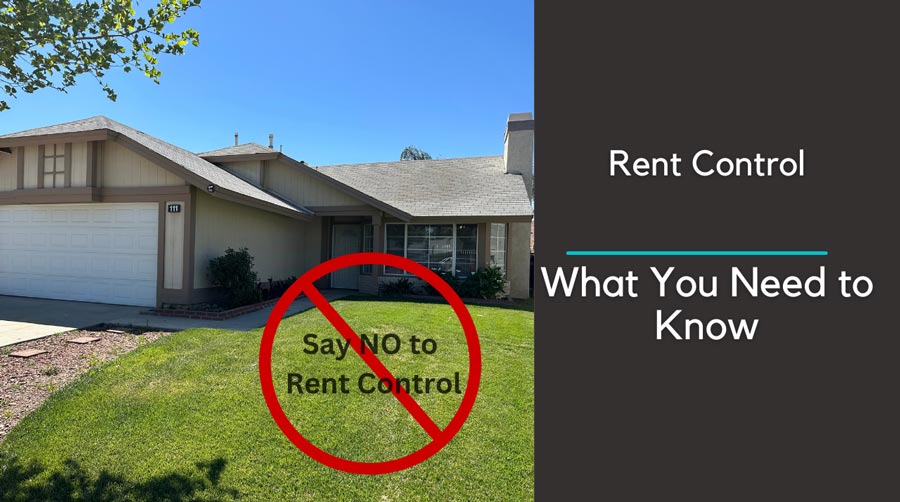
{"points": [[212, 316]]}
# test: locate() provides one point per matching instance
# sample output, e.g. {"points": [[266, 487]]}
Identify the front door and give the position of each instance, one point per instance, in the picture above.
{"points": [[347, 239]]}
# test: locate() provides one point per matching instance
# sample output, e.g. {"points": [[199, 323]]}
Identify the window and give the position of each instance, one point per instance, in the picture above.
{"points": [[442, 248], [54, 166], [395, 243], [498, 246], [466, 250], [368, 245]]}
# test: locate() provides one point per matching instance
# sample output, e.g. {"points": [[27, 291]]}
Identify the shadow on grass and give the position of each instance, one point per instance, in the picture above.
{"points": [[527, 305], [71, 482]]}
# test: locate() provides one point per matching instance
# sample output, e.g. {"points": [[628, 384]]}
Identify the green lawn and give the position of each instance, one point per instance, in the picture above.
{"points": [[184, 418]]}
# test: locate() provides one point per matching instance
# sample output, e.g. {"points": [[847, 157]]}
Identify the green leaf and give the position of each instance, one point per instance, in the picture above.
{"points": [[49, 43]]}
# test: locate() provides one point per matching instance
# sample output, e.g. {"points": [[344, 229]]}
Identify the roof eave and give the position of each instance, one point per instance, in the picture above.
{"points": [[241, 157], [67, 137], [474, 218]]}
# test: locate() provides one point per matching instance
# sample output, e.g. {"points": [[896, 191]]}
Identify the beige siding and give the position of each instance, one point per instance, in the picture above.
{"points": [[248, 170], [303, 189], [8, 171], [30, 179], [79, 164], [277, 243], [312, 244], [518, 258], [121, 167]]}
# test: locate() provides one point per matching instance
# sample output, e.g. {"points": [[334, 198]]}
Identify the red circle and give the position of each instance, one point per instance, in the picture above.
{"points": [[268, 386]]}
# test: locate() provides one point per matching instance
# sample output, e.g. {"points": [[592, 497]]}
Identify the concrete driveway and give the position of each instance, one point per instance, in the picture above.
{"points": [[23, 319]]}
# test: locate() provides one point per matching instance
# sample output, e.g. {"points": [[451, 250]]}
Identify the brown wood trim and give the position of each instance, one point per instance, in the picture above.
{"points": [[101, 162], [148, 194], [40, 167], [92, 194], [240, 157], [344, 188], [90, 175], [144, 191], [160, 252], [75, 137], [344, 210], [20, 167], [325, 252], [49, 196], [67, 164]]}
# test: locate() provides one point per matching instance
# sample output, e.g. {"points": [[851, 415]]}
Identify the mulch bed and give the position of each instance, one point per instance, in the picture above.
{"points": [[26, 383]]}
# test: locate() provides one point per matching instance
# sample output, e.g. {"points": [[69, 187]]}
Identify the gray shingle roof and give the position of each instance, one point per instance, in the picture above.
{"points": [[245, 149], [471, 186], [191, 162]]}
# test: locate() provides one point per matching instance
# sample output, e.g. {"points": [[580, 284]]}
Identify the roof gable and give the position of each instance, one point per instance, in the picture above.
{"points": [[194, 169], [245, 149]]}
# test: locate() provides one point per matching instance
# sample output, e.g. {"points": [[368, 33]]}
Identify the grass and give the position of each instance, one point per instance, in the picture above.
{"points": [[184, 419]]}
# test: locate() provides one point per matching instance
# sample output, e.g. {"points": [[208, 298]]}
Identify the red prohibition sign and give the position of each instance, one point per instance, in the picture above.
{"points": [[439, 437]]}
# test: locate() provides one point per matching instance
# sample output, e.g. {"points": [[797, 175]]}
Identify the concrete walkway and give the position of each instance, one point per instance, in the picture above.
{"points": [[244, 322], [23, 319]]}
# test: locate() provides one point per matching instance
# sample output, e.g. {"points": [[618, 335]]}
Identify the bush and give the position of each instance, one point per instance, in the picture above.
{"points": [[402, 286], [486, 283], [448, 278], [234, 272], [277, 288], [489, 282]]}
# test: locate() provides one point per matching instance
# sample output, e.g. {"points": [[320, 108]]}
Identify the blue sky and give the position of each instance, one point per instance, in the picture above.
{"points": [[336, 82]]}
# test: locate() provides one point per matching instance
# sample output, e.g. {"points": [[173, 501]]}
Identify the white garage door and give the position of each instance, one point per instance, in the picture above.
{"points": [[103, 253]]}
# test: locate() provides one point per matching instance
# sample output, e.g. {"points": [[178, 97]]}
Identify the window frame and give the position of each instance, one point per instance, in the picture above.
{"points": [[404, 273], [59, 165], [367, 228], [505, 245]]}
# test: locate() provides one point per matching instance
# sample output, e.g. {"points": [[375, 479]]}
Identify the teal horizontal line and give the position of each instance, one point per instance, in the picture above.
{"points": [[697, 253]]}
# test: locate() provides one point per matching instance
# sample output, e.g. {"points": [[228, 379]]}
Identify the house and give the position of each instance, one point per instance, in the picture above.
{"points": [[94, 210]]}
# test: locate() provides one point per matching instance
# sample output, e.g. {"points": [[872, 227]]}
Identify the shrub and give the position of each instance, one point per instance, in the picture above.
{"points": [[277, 288], [402, 286], [448, 278], [490, 282], [234, 272], [486, 283]]}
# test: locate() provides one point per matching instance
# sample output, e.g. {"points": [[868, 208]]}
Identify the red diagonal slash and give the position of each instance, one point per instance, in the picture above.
{"points": [[371, 359]]}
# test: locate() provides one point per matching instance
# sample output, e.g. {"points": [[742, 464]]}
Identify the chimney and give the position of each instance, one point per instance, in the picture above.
{"points": [[518, 147], [235, 138], [271, 141]]}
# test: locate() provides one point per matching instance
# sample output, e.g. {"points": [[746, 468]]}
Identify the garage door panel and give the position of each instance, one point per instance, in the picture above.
{"points": [[39, 216], [88, 252], [80, 216], [80, 240], [59, 241], [59, 265]]}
